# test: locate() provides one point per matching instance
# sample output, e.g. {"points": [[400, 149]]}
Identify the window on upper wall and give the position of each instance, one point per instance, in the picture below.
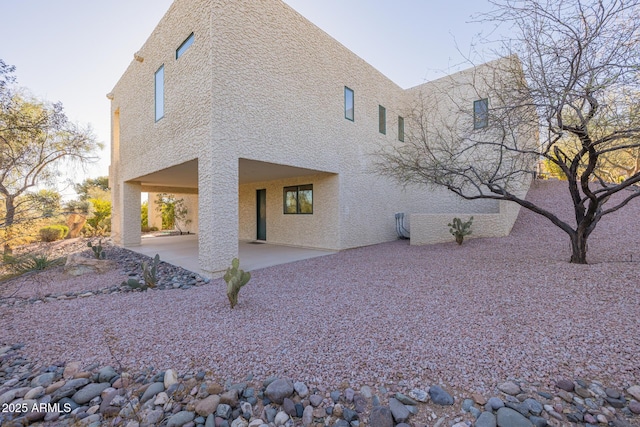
{"points": [[382, 119], [184, 46], [481, 113], [159, 93], [298, 199], [400, 129], [348, 104]]}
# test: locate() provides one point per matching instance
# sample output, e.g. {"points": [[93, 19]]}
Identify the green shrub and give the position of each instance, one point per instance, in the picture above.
{"points": [[147, 229], [53, 233]]}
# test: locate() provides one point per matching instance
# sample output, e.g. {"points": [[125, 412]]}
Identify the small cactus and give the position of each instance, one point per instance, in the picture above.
{"points": [[150, 272], [460, 229], [235, 279], [98, 250]]}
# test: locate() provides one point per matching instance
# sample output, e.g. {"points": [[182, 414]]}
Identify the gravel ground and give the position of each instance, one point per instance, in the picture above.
{"points": [[467, 316]]}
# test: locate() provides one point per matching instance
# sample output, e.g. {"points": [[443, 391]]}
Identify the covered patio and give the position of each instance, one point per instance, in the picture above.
{"points": [[183, 252]]}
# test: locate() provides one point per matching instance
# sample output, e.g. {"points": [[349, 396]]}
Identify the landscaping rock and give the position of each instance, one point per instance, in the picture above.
{"points": [[208, 405], [486, 419], [180, 419], [89, 391], [278, 390], [510, 388], [398, 410], [508, 417], [439, 396], [381, 416]]}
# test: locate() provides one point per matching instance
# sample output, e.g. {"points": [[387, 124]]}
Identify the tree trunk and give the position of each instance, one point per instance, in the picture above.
{"points": [[578, 249], [8, 224]]}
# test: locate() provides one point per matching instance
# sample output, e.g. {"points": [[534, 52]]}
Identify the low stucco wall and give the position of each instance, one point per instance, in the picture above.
{"points": [[428, 229]]}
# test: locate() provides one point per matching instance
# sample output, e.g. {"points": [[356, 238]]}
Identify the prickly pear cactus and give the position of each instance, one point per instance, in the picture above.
{"points": [[460, 229], [150, 271], [98, 250], [235, 278]]}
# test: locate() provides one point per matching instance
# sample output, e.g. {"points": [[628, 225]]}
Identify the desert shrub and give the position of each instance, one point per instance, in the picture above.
{"points": [[21, 264], [99, 222], [52, 233], [147, 229]]}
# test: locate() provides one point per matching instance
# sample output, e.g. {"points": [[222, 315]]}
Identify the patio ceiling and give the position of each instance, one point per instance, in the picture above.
{"points": [[185, 175]]}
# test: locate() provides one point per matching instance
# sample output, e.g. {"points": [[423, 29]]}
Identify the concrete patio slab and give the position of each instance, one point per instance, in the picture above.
{"points": [[183, 252]]}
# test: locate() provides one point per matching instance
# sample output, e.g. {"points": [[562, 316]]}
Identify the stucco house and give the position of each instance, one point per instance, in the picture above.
{"points": [[267, 127]]}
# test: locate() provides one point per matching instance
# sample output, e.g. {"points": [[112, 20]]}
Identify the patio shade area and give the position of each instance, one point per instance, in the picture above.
{"points": [[183, 252]]}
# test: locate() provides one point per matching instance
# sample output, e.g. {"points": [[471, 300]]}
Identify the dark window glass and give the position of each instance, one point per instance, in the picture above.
{"points": [[480, 113], [400, 129], [382, 119], [298, 199]]}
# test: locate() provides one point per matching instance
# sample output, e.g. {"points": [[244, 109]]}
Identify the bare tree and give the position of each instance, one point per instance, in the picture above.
{"points": [[570, 74], [35, 139]]}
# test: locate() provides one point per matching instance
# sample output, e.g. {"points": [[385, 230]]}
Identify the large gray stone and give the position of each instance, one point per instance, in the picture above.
{"points": [[278, 390], [533, 406], [44, 380], [439, 396], [181, 418], [88, 392], [398, 410], [508, 417], [486, 419], [151, 391], [381, 417], [106, 374]]}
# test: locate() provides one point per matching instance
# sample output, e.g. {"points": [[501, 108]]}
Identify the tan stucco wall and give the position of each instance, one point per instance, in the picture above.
{"points": [[318, 230], [433, 228], [260, 82]]}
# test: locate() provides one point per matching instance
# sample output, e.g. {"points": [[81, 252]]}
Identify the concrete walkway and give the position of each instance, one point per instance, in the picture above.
{"points": [[183, 252]]}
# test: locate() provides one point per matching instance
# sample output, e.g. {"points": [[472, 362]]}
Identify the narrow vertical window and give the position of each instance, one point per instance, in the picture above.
{"points": [[480, 113], [400, 129], [184, 46], [382, 119], [159, 93], [348, 104]]}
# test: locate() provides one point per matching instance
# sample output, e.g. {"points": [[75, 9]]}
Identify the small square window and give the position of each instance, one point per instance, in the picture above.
{"points": [[159, 93], [348, 104], [298, 199], [382, 119], [400, 129], [184, 46], [480, 113]]}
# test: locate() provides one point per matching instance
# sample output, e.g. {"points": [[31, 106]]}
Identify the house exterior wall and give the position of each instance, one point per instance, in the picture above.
{"points": [[318, 230], [260, 82]]}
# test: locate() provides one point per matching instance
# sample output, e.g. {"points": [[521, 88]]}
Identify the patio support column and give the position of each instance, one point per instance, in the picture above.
{"points": [[130, 217], [217, 214]]}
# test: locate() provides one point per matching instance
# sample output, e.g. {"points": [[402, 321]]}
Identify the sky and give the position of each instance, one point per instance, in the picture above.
{"points": [[74, 51]]}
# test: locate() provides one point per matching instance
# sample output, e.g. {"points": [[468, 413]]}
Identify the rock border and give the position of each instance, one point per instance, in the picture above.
{"points": [[68, 394]]}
